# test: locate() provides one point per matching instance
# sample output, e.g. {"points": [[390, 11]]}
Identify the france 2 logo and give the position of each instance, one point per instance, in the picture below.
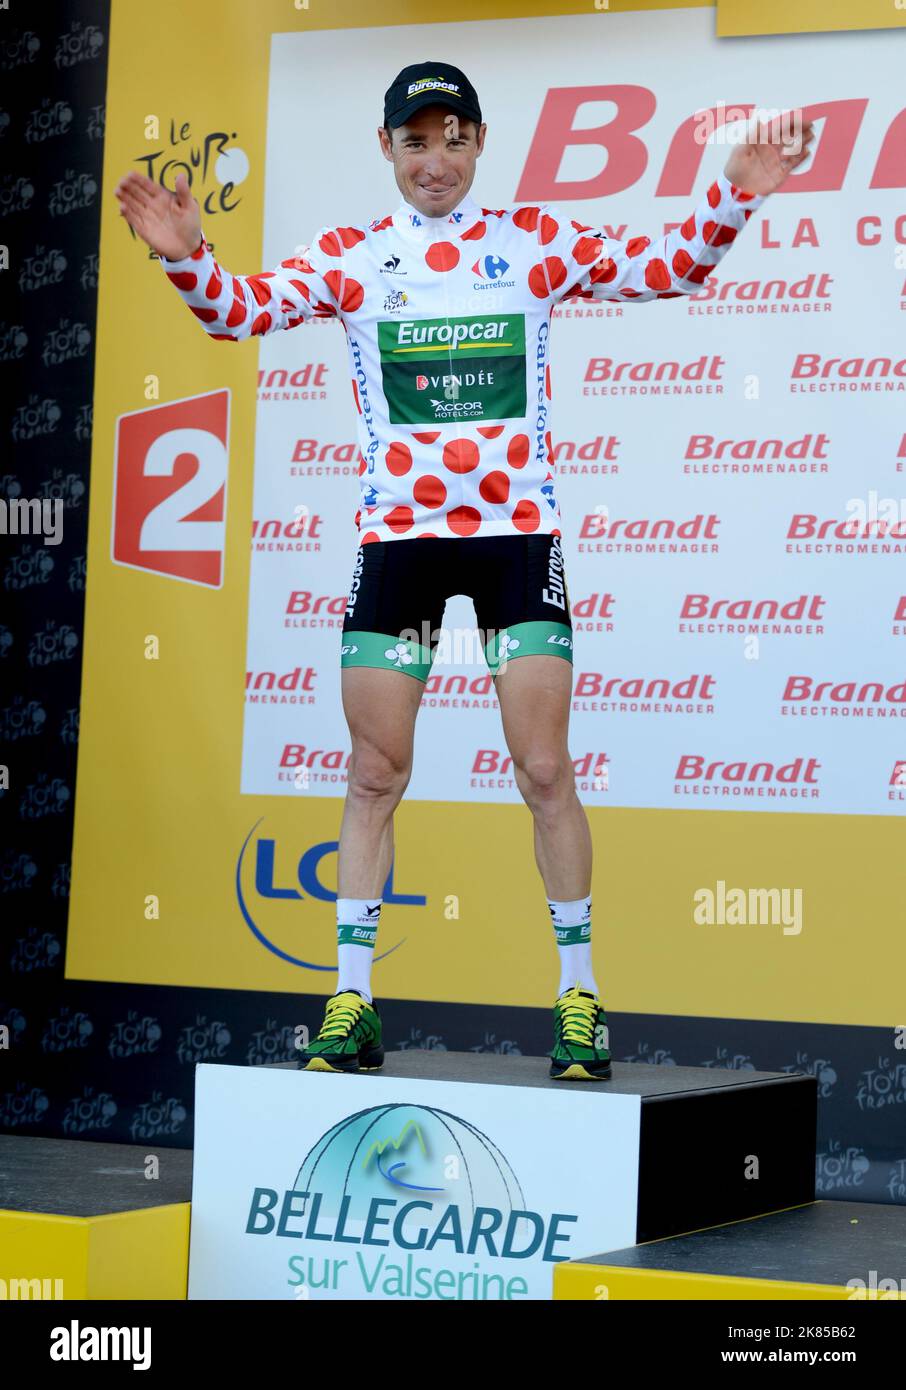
{"points": [[169, 488]]}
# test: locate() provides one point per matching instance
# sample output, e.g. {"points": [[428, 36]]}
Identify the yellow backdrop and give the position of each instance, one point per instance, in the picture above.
{"points": [[158, 809]]}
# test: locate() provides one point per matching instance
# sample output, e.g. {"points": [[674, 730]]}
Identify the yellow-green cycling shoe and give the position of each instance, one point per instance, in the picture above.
{"points": [[350, 1036], [581, 1037]]}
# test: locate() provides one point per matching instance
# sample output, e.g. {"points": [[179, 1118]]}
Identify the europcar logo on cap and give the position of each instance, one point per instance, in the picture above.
{"points": [[430, 84]]}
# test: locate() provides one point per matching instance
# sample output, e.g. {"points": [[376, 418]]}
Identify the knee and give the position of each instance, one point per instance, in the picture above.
{"points": [[377, 774], [544, 777]]}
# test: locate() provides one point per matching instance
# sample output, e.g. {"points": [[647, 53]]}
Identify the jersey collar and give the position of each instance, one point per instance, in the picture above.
{"points": [[410, 222]]}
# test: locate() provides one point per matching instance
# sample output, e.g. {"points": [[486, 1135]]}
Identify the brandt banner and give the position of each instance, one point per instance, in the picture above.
{"points": [[321, 1187], [733, 554]]}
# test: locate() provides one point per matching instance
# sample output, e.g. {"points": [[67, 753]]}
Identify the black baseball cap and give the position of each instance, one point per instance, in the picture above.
{"points": [[429, 84]]}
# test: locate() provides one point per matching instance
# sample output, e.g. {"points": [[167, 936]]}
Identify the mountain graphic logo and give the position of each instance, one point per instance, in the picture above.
{"points": [[406, 1148]]}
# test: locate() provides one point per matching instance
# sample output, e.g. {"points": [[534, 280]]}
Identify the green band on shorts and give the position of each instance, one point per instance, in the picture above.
{"points": [[540, 637], [388, 653]]}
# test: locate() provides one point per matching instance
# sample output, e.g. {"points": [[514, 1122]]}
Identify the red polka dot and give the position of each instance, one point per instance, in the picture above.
{"points": [[549, 229], [526, 218], [517, 451], [636, 245], [603, 272], [548, 276], [429, 491], [442, 255], [261, 325], [464, 521], [183, 279], [400, 519], [490, 431], [716, 234], [461, 455], [369, 536], [475, 233], [714, 195], [495, 487], [657, 275], [332, 243], [398, 459], [349, 294], [688, 227], [587, 249], [526, 517], [237, 313], [428, 535], [213, 288], [427, 436]]}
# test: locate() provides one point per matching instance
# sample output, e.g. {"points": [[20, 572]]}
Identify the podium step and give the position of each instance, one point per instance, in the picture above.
{"points": [[81, 1220], [826, 1250], [715, 1146]]}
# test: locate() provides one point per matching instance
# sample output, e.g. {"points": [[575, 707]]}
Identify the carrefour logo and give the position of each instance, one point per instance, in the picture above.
{"points": [[490, 267], [274, 890], [397, 1178]]}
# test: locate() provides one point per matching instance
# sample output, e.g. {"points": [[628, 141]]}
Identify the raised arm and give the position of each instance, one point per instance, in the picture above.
{"points": [[581, 262], [311, 284]]}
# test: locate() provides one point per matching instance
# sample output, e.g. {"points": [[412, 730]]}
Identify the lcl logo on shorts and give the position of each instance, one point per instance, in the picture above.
{"points": [[556, 581]]}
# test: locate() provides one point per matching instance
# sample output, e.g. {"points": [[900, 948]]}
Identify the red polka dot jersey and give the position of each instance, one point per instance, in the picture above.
{"points": [[447, 322]]}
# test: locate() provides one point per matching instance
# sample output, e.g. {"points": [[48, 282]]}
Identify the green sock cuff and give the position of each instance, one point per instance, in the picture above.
{"points": [[573, 936], [355, 935]]}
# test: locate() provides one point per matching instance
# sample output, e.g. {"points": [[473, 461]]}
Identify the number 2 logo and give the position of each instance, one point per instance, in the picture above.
{"points": [[170, 484]]}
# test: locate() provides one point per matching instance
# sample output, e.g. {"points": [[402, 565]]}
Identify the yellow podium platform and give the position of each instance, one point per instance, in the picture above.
{"points": [[82, 1220], [822, 1250]]}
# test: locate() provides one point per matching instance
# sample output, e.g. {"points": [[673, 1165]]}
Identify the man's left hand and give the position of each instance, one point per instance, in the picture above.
{"points": [[773, 150]]}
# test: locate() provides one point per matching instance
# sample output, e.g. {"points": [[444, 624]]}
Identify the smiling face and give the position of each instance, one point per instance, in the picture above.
{"points": [[433, 157]]}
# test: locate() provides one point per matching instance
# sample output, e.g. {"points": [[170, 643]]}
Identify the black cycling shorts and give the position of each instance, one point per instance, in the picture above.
{"points": [[395, 607]]}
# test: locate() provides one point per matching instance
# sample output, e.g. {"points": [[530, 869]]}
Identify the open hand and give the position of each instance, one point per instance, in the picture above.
{"points": [[763, 163], [169, 222]]}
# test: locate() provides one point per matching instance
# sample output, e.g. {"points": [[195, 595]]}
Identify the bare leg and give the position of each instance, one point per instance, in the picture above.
{"points": [[380, 708], [534, 694]]}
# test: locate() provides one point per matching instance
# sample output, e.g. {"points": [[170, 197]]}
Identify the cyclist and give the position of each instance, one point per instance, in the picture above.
{"points": [[446, 305]]}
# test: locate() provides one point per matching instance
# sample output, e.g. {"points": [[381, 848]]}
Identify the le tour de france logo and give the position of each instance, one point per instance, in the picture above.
{"points": [[283, 900]]}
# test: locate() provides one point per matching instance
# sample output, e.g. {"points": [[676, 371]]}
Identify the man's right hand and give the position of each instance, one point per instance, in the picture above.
{"points": [[169, 222]]}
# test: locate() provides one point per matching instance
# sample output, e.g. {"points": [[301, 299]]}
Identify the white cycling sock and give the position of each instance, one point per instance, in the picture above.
{"points": [[357, 924], [572, 924]]}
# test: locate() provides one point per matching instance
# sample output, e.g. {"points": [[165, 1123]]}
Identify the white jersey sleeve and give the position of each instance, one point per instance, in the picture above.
{"points": [[582, 262], [310, 284]]}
